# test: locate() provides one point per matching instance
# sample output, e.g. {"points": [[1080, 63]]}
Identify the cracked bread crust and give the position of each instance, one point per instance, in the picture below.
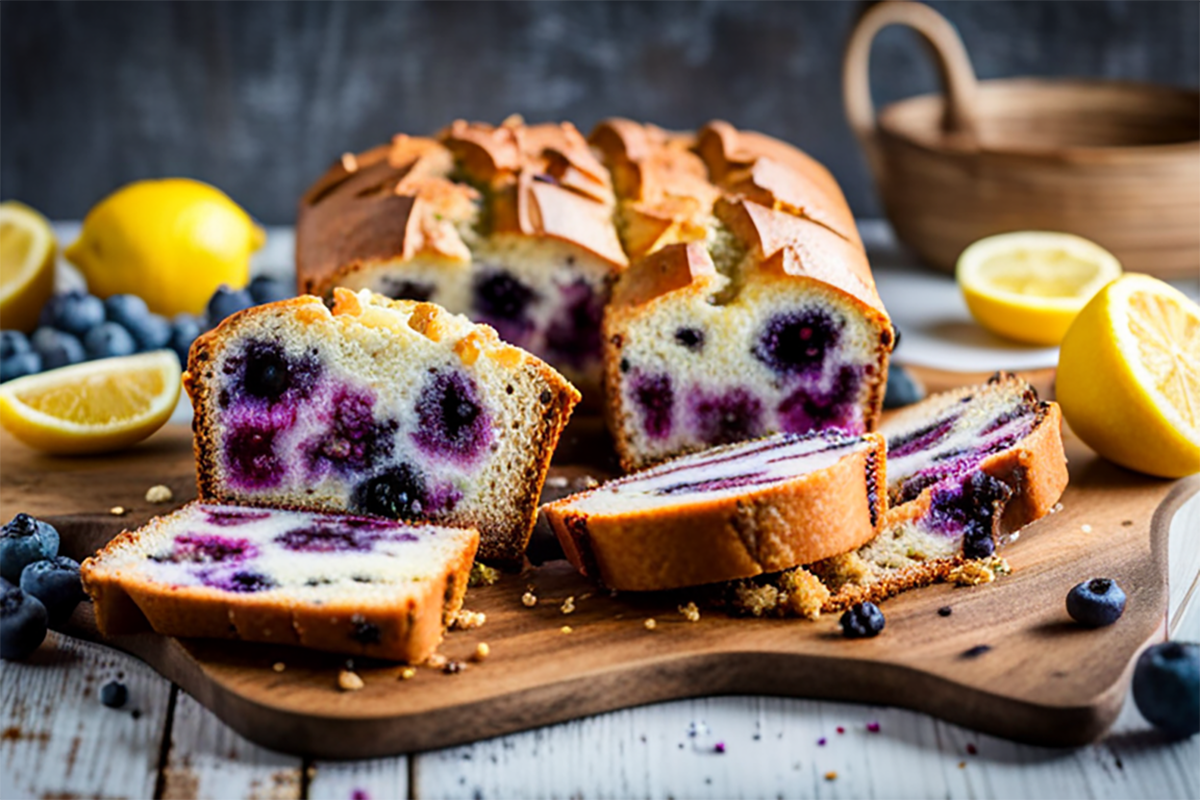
{"points": [[703, 541]]}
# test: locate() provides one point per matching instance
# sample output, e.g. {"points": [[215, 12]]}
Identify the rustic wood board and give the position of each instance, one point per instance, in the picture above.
{"points": [[1044, 680]]}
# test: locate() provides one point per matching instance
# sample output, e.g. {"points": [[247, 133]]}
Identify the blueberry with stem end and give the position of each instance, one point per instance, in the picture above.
{"points": [[1166, 687], [22, 624], [109, 339], [74, 312], [1096, 603], [55, 582], [862, 621], [24, 540]]}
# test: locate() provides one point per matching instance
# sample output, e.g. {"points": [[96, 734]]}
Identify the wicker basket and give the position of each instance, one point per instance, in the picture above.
{"points": [[1118, 163]]}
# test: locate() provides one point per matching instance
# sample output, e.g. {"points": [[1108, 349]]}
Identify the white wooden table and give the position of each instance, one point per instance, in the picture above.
{"points": [[58, 741]]}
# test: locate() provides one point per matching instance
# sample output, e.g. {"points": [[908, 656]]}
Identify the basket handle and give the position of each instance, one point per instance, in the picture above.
{"points": [[958, 77]]}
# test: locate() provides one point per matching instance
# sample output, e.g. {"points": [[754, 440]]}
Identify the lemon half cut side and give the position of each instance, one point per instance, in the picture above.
{"points": [[1029, 285], [27, 249]]}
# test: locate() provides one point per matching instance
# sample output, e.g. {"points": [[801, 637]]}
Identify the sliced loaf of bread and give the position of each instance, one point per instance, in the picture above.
{"points": [[347, 584], [384, 407]]}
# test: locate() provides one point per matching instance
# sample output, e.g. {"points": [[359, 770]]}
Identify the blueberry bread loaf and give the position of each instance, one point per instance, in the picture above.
{"points": [[749, 307], [511, 225], [730, 512], [347, 584], [393, 408]]}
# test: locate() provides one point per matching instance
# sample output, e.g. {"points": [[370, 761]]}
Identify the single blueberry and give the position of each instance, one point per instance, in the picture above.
{"points": [[11, 343], [19, 365], [57, 349], [398, 493], [500, 295], [795, 342], [226, 301], [1096, 603], [902, 388], [22, 624], [24, 540], [1166, 687], [55, 582], [108, 339], [691, 338], [655, 395], [114, 694], [152, 333], [127, 310], [267, 372], [184, 330], [268, 290], [452, 419], [862, 621], [74, 312]]}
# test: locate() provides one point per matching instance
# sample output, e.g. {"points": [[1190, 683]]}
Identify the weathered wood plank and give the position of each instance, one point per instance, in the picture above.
{"points": [[59, 741], [378, 779], [208, 760]]}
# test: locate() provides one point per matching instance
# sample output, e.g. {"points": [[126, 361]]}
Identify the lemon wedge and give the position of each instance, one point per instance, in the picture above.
{"points": [[27, 250], [1029, 285], [172, 242], [1129, 376], [94, 407]]}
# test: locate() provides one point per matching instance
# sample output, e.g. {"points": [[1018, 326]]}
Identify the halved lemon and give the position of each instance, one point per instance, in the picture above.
{"points": [[1029, 285], [94, 407], [1129, 376], [27, 249]]}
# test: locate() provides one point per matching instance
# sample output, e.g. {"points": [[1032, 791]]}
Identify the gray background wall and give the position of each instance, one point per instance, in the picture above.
{"points": [[259, 98]]}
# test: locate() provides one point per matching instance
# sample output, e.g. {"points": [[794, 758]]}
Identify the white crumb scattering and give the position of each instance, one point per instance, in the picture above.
{"points": [[466, 620], [482, 651], [349, 162], [408, 673], [529, 599], [1057, 507], [159, 494], [568, 606], [651, 624], [690, 612], [279, 666], [349, 681], [437, 661], [556, 482], [566, 629], [1085, 528], [117, 511], [589, 482]]}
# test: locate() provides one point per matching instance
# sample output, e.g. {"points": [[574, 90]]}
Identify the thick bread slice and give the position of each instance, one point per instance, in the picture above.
{"points": [[730, 512], [384, 407], [357, 585]]}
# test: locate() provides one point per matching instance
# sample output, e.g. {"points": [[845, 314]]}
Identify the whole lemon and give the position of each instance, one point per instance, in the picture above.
{"points": [[171, 241]]}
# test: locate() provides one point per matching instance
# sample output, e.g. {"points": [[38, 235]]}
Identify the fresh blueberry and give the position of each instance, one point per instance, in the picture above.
{"points": [[184, 330], [109, 339], [57, 348], [19, 365], [150, 331], [22, 624], [24, 540], [74, 312], [55, 582], [1166, 687], [268, 290], [902, 388], [11, 343], [397, 493], [1096, 603], [226, 301], [862, 621], [114, 694]]}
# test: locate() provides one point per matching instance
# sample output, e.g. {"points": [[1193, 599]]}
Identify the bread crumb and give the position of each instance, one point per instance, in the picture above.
{"points": [[408, 673], [279, 666], [566, 629], [482, 575], [453, 667], [437, 661], [159, 494], [465, 620], [482, 651], [651, 624], [838, 571], [556, 482], [117, 511], [1085, 528], [349, 681], [998, 565], [568, 606], [804, 594], [349, 162], [690, 612], [962, 765], [831, 776], [755, 600], [971, 573], [529, 599]]}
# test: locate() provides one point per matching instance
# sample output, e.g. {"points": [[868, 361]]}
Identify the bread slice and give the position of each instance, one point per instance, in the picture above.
{"points": [[347, 584], [749, 307], [394, 408], [966, 470], [510, 224], [727, 513]]}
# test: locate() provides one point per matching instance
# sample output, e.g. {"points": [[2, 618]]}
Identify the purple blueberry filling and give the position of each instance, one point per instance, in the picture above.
{"points": [[330, 538], [398, 493], [795, 342], [809, 408], [354, 441], [400, 289], [200, 548], [250, 458], [922, 438], [970, 508], [574, 334], [503, 302], [655, 396], [690, 338], [718, 484], [240, 581], [265, 372], [228, 517], [453, 423], [726, 418]]}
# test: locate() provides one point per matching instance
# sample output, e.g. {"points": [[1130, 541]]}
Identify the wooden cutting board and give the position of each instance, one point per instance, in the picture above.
{"points": [[1043, 680]]}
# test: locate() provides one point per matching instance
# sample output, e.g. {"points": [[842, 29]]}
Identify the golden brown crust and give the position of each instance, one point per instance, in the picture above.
{"points": [[805, 519], [409, 628]]}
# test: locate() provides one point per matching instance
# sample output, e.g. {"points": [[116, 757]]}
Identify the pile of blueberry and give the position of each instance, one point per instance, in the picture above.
{"points": [[40, 587], [76, 326]]}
